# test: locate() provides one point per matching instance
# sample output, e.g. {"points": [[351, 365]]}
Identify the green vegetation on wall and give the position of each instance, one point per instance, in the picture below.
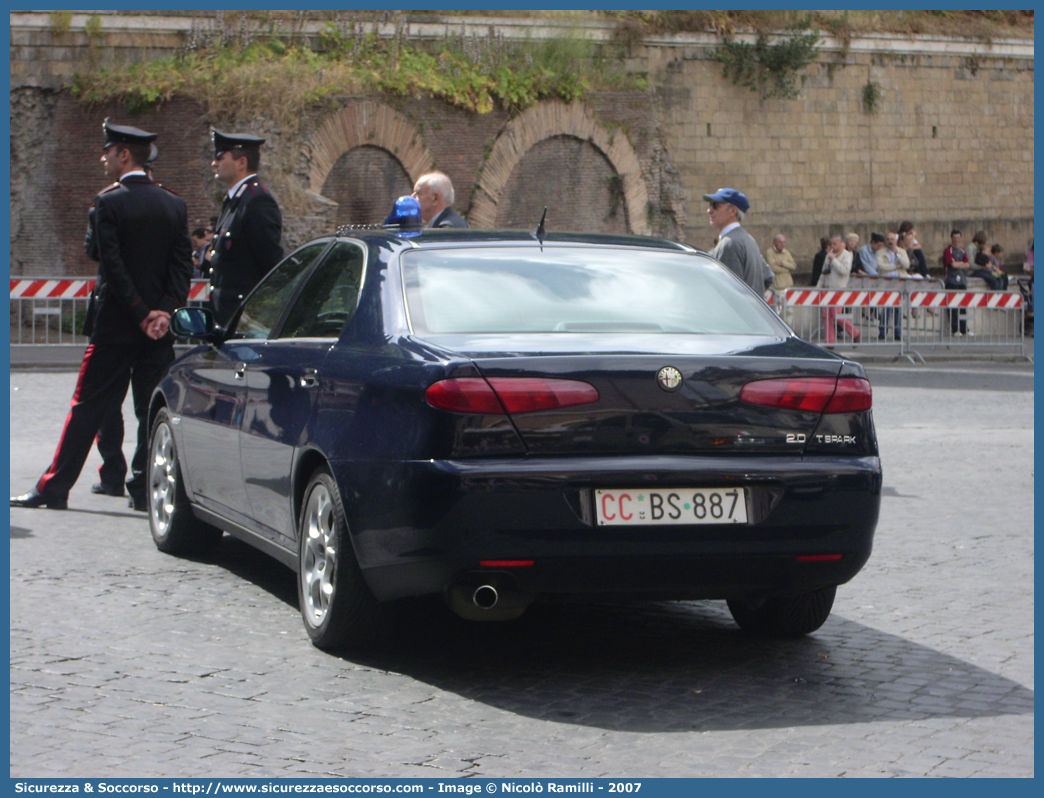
{"points": [[243, 69], [844, 24], [61, 21], [261, 61], [871, 97], [771, 69]]}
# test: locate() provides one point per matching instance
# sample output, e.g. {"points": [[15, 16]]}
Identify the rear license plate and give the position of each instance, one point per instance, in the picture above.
{"points": [[671, 506]]}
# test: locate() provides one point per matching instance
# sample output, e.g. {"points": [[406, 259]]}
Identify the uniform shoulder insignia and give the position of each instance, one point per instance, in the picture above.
{"points": [[165, 188], [256, 187], [109, 188]]}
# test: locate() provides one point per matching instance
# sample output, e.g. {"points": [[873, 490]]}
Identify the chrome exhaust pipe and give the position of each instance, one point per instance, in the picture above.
{"points": [[485, 597]]}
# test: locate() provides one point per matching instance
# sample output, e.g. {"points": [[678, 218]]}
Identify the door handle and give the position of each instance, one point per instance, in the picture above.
{"points": [[309, 378], [240, 371]]}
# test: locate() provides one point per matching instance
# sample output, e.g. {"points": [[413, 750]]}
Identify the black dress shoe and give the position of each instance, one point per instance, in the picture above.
{"points": [[139, 504], [36, 499], [107, 490]]}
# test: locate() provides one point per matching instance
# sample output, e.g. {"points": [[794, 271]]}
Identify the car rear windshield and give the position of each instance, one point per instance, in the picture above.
{"points": [[589, 290]]}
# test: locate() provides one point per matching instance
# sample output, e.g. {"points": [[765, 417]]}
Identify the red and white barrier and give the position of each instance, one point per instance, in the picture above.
{"points": [[81, 289], [965, 299], [819, 297], [51, 289]]}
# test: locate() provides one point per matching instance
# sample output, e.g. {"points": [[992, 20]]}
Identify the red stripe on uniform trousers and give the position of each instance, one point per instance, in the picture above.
{"points": [[42, 484]]}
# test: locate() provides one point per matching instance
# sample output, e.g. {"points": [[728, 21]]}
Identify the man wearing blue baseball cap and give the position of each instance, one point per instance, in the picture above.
{"points": [[736, 248]]}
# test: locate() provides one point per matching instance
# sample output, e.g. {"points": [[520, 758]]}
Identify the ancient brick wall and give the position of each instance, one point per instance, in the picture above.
{"points": [[950, 143], [560, 173], [364, 182], [56, 171]]}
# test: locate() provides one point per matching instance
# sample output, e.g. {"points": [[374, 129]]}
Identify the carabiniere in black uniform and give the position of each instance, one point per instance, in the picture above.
{"points": [[141, 230], [109, 440], [247, 239]]}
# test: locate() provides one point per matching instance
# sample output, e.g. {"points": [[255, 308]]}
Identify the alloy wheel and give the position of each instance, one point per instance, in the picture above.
{"points": [[162, 480], [319, 555]]}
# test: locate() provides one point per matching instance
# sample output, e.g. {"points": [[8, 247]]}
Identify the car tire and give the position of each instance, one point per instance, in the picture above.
{"points": [[784, 616], [337, 606], [175, 530]]}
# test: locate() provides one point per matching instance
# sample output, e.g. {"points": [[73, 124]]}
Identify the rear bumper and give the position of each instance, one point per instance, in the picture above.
{"points": [[420, 527]]}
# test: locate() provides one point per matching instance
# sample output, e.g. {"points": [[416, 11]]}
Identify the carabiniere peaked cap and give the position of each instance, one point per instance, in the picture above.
{"points": [[124, 134], [223, 142]]}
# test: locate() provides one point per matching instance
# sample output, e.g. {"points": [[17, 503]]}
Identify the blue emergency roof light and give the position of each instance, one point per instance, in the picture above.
{"points": [[406, 213]]}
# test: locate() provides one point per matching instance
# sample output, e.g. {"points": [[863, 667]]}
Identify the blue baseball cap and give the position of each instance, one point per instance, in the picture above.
{"points": [[737, 198]]}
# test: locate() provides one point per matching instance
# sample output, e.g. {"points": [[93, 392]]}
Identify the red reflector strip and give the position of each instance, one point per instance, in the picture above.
{"points": [[506, 563], [818, 557]]}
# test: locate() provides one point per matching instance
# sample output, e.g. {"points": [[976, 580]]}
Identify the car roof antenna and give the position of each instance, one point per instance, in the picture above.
{"points": [[539, 234]]}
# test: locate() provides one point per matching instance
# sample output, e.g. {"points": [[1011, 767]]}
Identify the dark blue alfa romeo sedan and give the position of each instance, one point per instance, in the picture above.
{"points": [[499, 418]]}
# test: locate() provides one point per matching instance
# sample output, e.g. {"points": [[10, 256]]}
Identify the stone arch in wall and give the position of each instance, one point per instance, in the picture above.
{"points": [[361, 131], [573, 179], [546, 120], [364, 182]]}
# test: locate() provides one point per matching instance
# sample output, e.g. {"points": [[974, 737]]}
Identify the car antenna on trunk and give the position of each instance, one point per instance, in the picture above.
{"points": [[539, 233]]}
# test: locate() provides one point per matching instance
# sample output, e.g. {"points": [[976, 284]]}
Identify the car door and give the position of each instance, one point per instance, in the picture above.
{"points": [[283, 381], [212, 413], [209, 415]]}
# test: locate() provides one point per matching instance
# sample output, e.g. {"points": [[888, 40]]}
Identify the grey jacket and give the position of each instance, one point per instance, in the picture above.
{"points": [[739, 252]]}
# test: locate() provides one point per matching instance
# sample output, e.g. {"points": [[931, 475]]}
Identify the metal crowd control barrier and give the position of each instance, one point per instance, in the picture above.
{"points": [[52, 310], [973, 322], [856, 315], [908, 321], [867, 305], [915, 314]]}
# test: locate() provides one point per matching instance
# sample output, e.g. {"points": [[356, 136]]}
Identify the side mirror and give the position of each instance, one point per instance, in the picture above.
{"points": [[196, 323]]}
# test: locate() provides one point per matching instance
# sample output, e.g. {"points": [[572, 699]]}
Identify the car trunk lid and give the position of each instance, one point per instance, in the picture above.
{"points": [[661, 404]]}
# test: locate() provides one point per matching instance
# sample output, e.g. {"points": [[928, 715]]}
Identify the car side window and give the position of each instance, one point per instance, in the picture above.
{"points": [[265, 305], [328, 300]]}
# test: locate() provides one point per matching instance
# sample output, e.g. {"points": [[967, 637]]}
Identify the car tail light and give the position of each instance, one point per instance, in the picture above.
{"points": [[500, 395], [465, 395], [851, 396], [813, 394], [526, 394]]}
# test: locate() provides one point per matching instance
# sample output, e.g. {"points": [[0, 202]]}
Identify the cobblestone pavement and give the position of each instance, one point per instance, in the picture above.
{"points": [[127, 662]]}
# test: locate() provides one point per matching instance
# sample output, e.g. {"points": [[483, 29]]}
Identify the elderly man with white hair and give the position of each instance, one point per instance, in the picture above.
{"points": [[781, 262], [434, 192], [852, 244]]}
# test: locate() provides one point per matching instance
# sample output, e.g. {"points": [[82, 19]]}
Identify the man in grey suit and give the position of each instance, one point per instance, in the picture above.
{"points": [[736, 248]]}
